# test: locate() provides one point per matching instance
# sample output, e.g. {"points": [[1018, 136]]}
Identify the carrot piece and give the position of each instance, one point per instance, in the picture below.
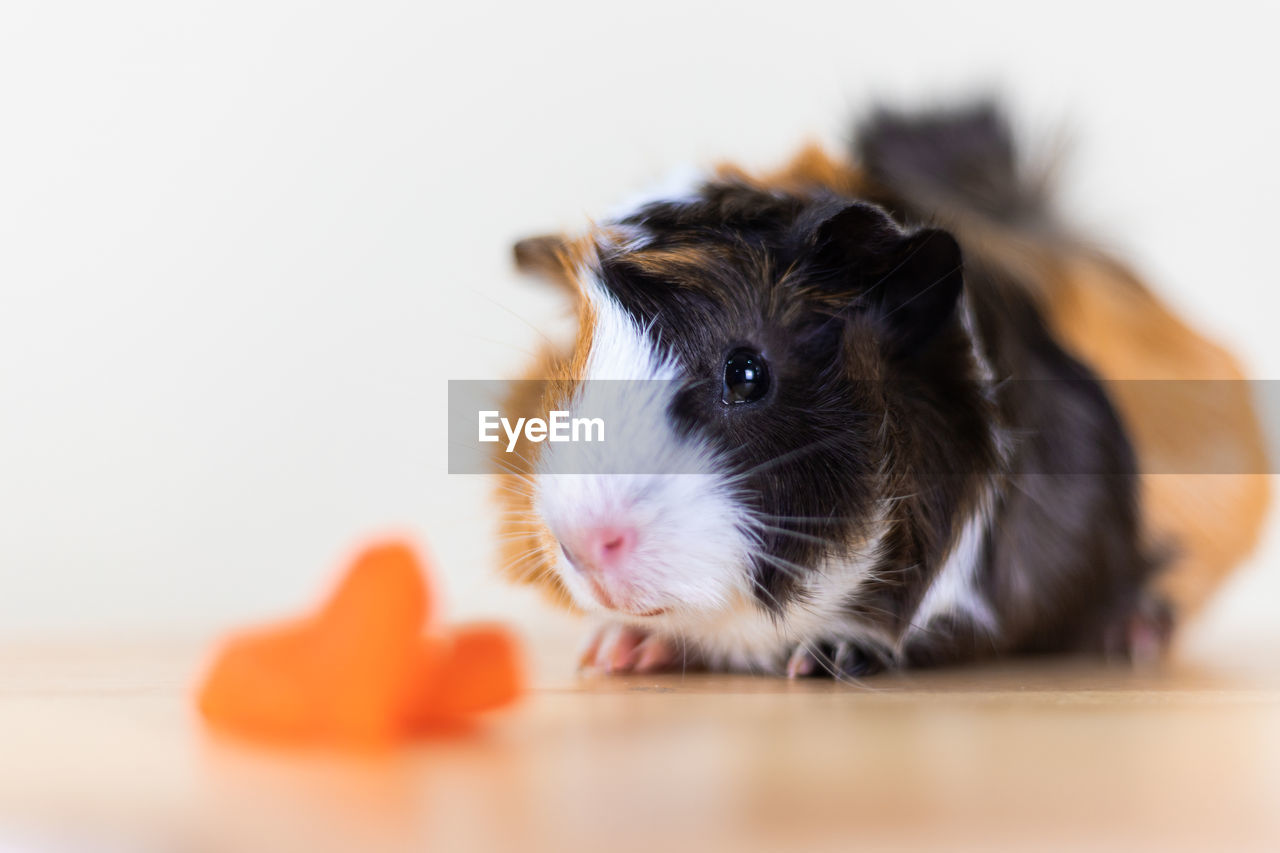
{"points": [[431, 660], [466, 670], [343, 675], [359, 672], [262, 683], [367, 641]]}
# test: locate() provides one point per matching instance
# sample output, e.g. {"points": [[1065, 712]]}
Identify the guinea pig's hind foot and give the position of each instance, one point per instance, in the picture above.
{"points": [[615, 648]]}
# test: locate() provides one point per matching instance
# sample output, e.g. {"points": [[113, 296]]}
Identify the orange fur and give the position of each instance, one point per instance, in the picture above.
{"points": [[528, 548], [811, 168]]}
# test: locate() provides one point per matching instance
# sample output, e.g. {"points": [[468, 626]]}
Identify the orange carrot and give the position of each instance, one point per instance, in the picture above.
{"points": [[360, 672], [262, 683], [343, 674], [368, 640], [466, 670]]}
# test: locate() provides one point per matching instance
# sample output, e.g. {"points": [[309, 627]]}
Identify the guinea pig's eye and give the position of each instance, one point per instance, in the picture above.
{"points": [[746, 378]]}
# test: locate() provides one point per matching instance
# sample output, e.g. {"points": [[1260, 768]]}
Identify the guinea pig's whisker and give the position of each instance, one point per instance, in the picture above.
{"points": [[694, 384], [515, 537], [529, 465], [883, 573], [516, 561], [525, 517], [510, 469], [512, 481], [525, 553], [834, 544], [479, 337], [923, 291], [1038, 500], [523, 564], [518, 316], [521, 514], [531, 534], [515, 489], [527, 520], [520, 559], [786, 457], [794, 570], [871, 608], [514, 477], [545, 572], [503, 463], [518, 487], [807, 537], [900, 265], [829, 519], [521, 527]]}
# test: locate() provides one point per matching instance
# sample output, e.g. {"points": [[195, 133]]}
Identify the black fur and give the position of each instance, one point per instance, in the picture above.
{"points": [[1064, 562]]}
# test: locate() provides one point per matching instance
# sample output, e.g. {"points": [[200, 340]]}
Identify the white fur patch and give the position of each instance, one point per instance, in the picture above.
{"points": [[954, 590], [747, 638], [691, 541]]}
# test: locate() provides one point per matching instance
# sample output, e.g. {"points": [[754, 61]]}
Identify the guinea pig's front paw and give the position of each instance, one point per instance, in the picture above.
{"points": [[626, 648], [842, 659]]}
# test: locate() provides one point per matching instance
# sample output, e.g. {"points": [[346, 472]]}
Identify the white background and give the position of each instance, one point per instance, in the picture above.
{"points": [[244, 245]]}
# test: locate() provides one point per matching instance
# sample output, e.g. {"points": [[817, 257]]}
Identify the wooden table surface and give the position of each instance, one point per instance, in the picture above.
{"points": [[100, 749]]}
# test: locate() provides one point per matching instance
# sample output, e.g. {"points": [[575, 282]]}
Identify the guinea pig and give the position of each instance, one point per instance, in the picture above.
{"points": [[868, 414]]}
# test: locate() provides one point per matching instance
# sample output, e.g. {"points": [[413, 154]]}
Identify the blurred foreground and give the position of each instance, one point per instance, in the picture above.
{"points": [[102, 750]]}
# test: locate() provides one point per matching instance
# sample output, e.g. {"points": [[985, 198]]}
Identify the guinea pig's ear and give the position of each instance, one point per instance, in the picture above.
{"points": [[911, 281], [544, 257]]}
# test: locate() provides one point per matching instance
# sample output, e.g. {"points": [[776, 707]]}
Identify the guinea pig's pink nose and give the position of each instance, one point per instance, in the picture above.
{"points": [[601, 549]]}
